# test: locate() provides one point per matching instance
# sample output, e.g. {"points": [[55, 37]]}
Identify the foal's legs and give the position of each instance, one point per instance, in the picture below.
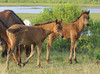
{"points": [[75, 52], [39, 53], [18, 53], [8, 56], [71, 50], [51, 39], [31, 54], [13, 55]]}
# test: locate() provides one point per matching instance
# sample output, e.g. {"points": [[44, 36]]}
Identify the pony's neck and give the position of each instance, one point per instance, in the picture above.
{"points": [[79, 24], [48, 27]]}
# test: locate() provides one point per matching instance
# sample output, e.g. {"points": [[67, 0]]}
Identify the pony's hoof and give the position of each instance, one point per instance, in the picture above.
{"points": [[19, 65], [49, 62], [76, 61], [24, 64], [70, 61]]}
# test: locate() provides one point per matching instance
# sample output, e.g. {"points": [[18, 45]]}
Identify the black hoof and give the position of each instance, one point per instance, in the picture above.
{"points": [[76, 61], [70, 61], [19, 65], [24, 64]]}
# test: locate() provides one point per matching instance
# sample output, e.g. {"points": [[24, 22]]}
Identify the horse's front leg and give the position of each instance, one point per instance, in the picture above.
{"points": [[31, 54], [39, 53], [51, 39], [71, 50], [75, 52]]}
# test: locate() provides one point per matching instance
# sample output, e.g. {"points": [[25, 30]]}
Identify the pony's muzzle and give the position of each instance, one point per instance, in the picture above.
{"points": [[61, 36], [88, 25]]}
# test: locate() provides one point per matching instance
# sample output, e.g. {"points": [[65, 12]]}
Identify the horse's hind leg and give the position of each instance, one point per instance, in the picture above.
{"points": [[75, 52], [8, 56], [31, 54], [18, 53], [51, 39], [13, 55]]}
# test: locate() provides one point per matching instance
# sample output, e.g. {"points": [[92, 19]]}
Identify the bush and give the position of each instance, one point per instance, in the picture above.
{"points": [[67, 12]]}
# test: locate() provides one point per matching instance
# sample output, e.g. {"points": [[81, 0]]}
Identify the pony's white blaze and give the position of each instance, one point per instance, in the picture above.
{"points": [[27, 22]]}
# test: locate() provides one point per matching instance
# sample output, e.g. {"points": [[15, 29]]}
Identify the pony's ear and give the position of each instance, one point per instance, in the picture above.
{"points": [[88, 12], [56, 21], [61, 20], [82, 12]]}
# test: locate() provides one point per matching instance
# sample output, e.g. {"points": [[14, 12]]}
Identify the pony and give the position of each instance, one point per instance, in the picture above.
{"points": [[31, 35], [71, 31]]}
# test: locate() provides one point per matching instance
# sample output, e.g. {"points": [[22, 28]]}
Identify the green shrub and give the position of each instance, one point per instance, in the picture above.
{"points": [[67, 12]]}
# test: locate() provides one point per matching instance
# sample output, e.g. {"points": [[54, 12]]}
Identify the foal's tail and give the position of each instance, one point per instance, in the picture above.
{"points": [[13, 30]]}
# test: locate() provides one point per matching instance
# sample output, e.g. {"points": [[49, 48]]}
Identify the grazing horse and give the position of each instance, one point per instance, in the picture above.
{"points": [[71, 31], [31, 35], [3, 33]]}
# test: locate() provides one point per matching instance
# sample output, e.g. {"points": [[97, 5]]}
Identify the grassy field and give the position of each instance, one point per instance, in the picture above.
{"points": [[59, 65], [44, 4], [59, 60]]}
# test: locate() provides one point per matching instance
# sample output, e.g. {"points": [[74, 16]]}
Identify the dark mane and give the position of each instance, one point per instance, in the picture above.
{"points": [[79, 17], [44, 23], [3, 24], [15, 15]]}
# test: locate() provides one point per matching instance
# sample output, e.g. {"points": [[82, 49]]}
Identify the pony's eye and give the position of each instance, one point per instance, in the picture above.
{"points": [[83, 17], [59, 27]]}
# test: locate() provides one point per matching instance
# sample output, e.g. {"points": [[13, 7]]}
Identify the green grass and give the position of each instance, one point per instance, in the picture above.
{"points": [[59, 65], [45, 4], [29, 16], [95, 16]]}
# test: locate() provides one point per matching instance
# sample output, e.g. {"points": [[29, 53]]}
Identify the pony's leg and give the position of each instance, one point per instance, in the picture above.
{"points": [[13, 55], [51, 39], [4, 49], [39, 53], [8, 57], [75, 52], [18, 53], [31, 54], [71, 50]]}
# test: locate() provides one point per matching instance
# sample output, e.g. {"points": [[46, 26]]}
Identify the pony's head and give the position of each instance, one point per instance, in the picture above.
{"points": [[85, 17], [58, 29]]}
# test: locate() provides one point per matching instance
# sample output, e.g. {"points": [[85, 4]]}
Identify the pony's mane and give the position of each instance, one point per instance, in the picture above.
{"points": [[79, 17], [3, 24], [15, 15], [44, 23]]}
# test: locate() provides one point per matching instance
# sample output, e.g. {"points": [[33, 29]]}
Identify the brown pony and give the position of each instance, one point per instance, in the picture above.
{"points": [[8, 18], [71, 31], [31, 35]]}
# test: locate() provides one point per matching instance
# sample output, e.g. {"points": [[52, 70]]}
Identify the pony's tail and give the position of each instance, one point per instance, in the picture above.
{"points": [[13, 30]]}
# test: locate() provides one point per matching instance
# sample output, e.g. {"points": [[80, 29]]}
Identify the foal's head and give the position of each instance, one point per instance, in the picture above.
{"points": [[58, 29], [85, 17]]}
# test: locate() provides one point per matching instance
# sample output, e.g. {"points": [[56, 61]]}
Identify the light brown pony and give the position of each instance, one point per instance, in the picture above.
{"points": [[20, 34], [71, 31]]}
